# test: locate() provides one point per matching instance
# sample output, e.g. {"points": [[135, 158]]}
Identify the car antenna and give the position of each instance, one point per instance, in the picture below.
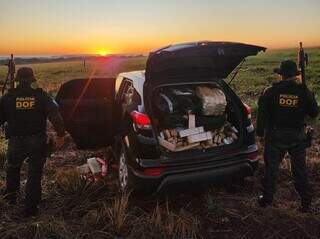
{"points": [[236, 71]]}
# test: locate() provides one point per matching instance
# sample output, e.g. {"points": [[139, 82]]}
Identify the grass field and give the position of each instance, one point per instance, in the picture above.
{"points": [[255, 75], [74, 208]]}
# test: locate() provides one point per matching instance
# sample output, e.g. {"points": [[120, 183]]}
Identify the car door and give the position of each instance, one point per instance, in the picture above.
{"points": [[87, 107]]}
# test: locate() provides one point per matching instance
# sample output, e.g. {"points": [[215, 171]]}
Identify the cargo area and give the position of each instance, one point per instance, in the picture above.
{"points": [[194, 117]]}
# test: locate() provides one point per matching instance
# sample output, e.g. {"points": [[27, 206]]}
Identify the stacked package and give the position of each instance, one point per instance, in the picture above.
{"points": [[200, 119], [181, 139], [214, 101]]}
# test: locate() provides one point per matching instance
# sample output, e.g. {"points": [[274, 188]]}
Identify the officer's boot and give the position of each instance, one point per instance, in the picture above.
{"points": [[264, 202], [305, 192], [305, 206], [33, 194], [10, 198], [12, 185], [31, 210]]}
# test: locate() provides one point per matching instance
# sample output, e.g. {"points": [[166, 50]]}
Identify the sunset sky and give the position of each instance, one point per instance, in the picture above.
{"points": [[137, 26]]}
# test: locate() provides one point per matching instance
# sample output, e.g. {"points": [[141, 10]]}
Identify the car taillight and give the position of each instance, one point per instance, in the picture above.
{"points": [[248, 110], [253, 156], [141, 121], [153, 171]]}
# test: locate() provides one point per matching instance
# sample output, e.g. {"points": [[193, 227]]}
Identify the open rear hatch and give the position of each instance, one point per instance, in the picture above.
{"points": [[175, 75], [192, 61], [87, 107]]}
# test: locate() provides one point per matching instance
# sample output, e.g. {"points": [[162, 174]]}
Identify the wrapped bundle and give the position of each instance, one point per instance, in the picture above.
{"points": [[214, 101]]}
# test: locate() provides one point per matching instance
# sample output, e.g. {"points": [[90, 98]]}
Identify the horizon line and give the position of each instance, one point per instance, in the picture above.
{"points": [[132, 53]]}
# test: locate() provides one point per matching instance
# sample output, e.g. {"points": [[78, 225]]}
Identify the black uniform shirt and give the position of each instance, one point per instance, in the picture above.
{"points": [[284, 106], [26, 110]]}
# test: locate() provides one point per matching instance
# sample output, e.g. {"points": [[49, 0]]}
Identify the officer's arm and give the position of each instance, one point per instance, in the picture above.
{"points": [[54, 116], [312, 108], [2, 112], [262, 115]]}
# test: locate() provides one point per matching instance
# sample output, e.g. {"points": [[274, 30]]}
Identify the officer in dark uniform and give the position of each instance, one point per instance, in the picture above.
{"points": [[281, 115], [25, 110]]}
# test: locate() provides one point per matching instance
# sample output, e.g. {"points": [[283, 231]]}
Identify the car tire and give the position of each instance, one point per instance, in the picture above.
{"points": [[124, 174], [236, 184], [126, 178], [239, 182]]}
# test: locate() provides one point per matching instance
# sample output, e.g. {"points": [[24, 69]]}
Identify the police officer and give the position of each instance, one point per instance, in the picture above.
{"points": [[281, 114], [25, 110]]}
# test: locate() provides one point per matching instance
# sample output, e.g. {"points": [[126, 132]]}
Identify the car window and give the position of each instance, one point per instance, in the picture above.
{"points": [[122, 88], [128, 98], [126, 91], [118, 83], [136, 97], [132, 94]]}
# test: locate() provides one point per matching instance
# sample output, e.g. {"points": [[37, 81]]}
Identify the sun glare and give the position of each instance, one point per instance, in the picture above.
{"points": [[103, 52]]}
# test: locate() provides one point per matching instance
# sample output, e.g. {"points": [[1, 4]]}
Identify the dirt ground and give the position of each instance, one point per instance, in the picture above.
{"points": [[75, 208]]}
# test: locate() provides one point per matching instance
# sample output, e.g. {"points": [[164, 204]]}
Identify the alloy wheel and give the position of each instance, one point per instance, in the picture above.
{"points": [[123, 172]]}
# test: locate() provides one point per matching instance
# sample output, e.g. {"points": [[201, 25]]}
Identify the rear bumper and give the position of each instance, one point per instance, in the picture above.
{"points": [[216, 172]]}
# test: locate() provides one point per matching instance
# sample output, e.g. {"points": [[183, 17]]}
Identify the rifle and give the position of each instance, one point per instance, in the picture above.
{"points": [[303, 60], [10, 74]]}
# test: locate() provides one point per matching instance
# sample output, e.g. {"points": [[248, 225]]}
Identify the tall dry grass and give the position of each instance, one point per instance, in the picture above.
{"points": [[118, 213], [163, 222]]}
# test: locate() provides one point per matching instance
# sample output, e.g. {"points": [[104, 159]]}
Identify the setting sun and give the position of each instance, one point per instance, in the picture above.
{"points": [[103, 52]]}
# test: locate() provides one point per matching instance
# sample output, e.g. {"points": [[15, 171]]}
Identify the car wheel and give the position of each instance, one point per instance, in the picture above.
{"points": [[126, 178], [123, 172], [236, 184]]}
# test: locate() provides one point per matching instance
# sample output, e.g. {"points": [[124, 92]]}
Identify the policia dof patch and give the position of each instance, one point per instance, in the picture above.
{"points": [[289, 100], [25, 103]]}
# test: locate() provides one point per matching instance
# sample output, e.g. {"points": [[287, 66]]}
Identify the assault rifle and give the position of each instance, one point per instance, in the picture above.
{"points": [[10, 74], [303, 60]]}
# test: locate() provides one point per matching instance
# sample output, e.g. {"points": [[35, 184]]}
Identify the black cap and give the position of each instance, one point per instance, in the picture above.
{"points": [[25, 74], [287, 68]]}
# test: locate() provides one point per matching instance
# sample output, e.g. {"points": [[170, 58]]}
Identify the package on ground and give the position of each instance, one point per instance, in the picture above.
{"points": [[95, 167], [83, 169]]}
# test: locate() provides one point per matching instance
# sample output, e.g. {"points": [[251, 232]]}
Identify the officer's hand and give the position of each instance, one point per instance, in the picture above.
{"points": [[309, 130], [59, 142], [261, 140]]}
